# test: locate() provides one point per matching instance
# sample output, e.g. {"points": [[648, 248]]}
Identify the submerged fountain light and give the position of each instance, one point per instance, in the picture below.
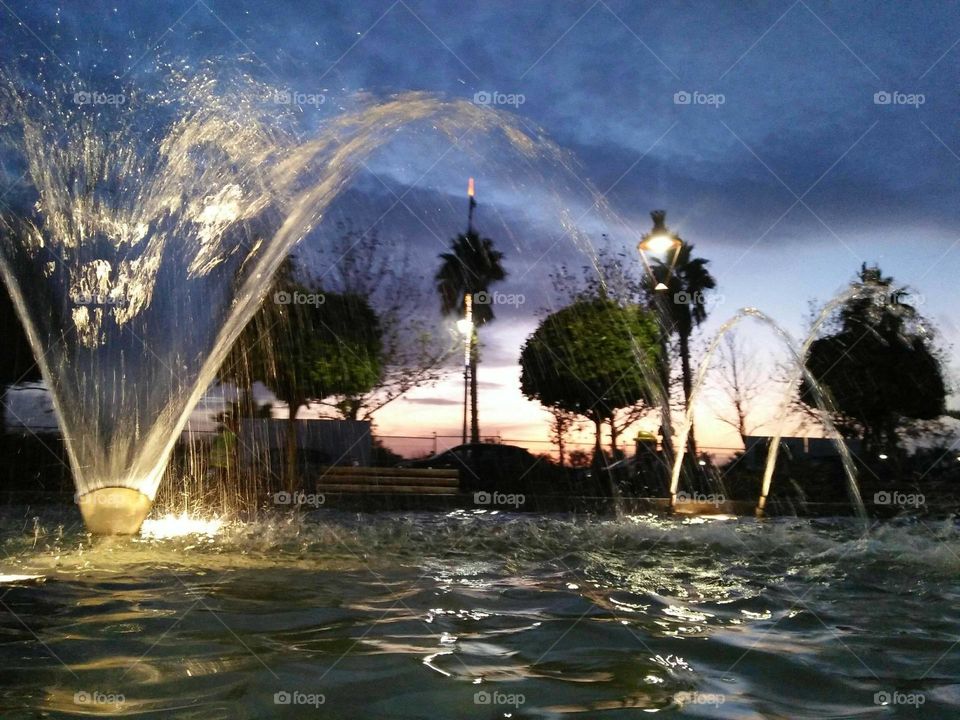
{"points": [[171, 526]]}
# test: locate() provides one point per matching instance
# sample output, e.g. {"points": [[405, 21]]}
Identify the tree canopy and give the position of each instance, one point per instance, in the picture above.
{"points": [[312, 351], [470, 267], [591, 358], [306, 345], [879, 363]]}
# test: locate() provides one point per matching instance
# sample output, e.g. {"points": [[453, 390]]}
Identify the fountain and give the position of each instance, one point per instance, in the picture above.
{"points": [[799, 358], [143, 241]]}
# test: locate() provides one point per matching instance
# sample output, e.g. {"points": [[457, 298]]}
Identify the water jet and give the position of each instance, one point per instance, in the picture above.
{"points": [[123, 227]]}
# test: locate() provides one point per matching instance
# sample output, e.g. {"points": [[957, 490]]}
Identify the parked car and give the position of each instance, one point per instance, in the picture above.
{"points": [[495, 467]]}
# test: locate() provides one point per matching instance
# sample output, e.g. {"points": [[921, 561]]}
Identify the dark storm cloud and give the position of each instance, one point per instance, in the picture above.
{"points": [[781, 141], [797, 81], [434, 401]]}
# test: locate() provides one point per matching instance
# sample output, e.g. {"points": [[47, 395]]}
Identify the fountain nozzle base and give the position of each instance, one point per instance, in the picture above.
{"points": [[114, 510]]}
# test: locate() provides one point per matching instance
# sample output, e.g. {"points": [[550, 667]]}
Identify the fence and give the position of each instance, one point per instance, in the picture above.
{"points": [[416, 446]]}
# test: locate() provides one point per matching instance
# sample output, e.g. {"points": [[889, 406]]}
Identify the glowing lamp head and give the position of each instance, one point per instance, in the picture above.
{"points": [[470, 188], [658, 243], [661, 287], [465, 326]]}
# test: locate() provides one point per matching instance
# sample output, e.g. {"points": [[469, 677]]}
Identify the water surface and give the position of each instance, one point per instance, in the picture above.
{"points": [[481, 615]]}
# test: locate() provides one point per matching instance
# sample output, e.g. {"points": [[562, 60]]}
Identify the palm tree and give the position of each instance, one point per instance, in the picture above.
{"points": [[687, 280], [470, 268]]}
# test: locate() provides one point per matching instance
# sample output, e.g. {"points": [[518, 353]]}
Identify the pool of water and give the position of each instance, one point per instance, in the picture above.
{"points": [[481, 615]]}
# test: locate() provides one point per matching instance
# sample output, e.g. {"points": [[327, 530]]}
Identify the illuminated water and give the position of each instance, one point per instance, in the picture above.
{"points": [[394, 616], [129, 223]]}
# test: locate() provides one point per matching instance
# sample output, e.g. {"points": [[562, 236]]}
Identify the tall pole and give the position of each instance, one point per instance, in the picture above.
{"points": [[471, 345], [472, 205], [467, 330]]}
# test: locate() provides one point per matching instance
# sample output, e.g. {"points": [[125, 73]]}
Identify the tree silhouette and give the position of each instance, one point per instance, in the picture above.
{"points": [[470, 267], [682, 306], [591, 358], [878, 365], [308, 351]]}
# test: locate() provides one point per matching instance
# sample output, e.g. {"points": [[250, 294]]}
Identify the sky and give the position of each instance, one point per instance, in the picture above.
{"points": [[789, 141]]}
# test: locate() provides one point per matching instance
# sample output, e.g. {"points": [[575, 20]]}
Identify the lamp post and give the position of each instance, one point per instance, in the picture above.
{"points": [[465, 326], [664, 244]]}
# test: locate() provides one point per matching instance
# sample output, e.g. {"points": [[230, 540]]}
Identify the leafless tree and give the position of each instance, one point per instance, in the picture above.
{"points": [[360, 262], [742, 381], [563, 422]]}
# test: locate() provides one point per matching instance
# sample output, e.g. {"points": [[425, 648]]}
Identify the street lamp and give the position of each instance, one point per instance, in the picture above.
{"points": [[660, 241], [666, 246]]}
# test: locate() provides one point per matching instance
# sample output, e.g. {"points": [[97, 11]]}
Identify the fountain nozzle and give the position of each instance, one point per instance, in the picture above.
{"points": [[114, 510]]}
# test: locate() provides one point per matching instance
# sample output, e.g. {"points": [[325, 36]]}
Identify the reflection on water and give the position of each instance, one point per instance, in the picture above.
{"points": [[478, 615]]}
